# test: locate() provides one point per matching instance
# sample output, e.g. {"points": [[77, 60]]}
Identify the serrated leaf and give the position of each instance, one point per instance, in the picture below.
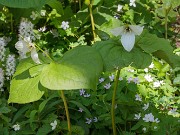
{"points": [[159, 47], [79, 68], [114, 55]]}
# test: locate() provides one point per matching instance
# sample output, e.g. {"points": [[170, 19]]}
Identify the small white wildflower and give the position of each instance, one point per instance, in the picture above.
{"points": [[138, 98], [34, 15], [130, 79], [80, 110], [42, 29], [151, 66], [144, 129], [16, 127], [88, 120], [148, 78], [87, 95], [137, 116], [43, 12], [157, 120], [148, 117], [132, 3], [156, 84], [146, 106], [136, 80], [65, 25], [119, 7], [95, 119], [111, 77], [82, 92], [101, 80], [107, 86], [146, 70], [155, 127], [53, 124]]}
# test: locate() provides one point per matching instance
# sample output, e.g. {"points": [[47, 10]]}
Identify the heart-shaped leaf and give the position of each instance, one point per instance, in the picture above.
{"points": [[79, 68]]}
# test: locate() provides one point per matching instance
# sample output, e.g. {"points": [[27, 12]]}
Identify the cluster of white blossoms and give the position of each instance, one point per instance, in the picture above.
{"points": [[26, 30], [10, 66], [3, 42], [1, 79], [26, 38]]}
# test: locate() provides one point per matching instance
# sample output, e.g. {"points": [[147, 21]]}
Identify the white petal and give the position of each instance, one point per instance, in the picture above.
{"points": [[117, 31], [34, 56], [22, 46], [136, 29], [128, 40]]}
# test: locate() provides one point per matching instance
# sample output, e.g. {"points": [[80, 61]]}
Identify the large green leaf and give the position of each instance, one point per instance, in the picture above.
{"points": [[79, 68], [25, 86], [24, 89], [159, 47], [114, 55], [24, 3]]}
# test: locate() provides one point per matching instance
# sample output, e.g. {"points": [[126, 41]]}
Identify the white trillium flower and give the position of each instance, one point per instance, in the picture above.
{"points": [[24, 46], [128, 35]]}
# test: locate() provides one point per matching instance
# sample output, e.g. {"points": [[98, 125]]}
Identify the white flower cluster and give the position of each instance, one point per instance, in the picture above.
{"points": [[1, 79], [26, 30], [2, 48], [150, 118], [10, 66]]}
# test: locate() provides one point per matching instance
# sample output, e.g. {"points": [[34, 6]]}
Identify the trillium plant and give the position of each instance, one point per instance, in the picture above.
{"points": [[127, 33], [67, 56]]}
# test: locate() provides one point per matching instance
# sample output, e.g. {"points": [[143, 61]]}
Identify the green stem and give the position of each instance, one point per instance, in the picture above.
{"points": [[166, 23], [79, 4], [11, 23], [113, 103], [67, 112], [92, 21]]}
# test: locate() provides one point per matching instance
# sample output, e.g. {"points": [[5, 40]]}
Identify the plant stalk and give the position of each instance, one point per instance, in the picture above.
{"points": [[113, 103], [67, 111], [92, 21], [166, 23]]}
